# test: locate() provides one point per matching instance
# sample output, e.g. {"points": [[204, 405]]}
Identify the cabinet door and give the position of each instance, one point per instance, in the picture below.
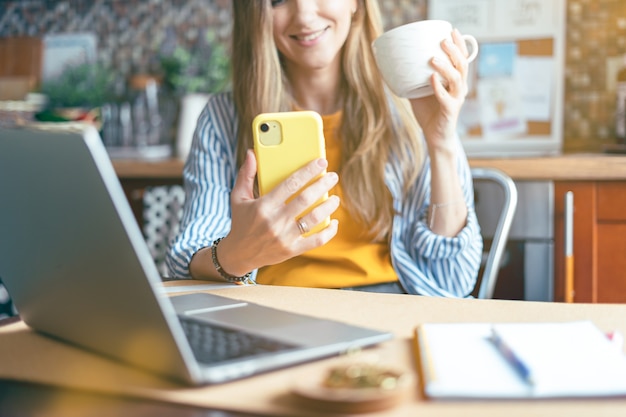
{"points": [[599, 241], [584, 240], [611, 242], [611, 263]]}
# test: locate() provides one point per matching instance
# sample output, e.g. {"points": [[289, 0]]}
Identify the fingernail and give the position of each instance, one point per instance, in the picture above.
{"points": [[322, 163]]}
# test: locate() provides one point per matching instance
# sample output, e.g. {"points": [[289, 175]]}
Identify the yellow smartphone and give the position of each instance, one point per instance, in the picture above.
{"points": [[283, 143]]}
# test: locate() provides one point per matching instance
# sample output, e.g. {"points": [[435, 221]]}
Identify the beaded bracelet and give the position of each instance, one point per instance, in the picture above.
{"points": [[228, 277]]}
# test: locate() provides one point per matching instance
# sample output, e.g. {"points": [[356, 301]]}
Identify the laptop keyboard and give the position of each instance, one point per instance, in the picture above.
{"points": [[212, 343]]}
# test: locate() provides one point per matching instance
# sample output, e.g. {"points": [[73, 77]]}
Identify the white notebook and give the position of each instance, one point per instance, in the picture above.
{"points": [[544, 360]]}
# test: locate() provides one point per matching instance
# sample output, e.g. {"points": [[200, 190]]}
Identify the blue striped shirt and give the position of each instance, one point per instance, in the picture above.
{"points": [[426, 263]]}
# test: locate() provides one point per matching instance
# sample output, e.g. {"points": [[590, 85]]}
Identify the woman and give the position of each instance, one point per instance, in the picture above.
{"points": [[402, 210]]}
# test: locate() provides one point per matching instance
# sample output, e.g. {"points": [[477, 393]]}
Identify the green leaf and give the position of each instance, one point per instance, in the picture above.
{"points": [[84, 85]]}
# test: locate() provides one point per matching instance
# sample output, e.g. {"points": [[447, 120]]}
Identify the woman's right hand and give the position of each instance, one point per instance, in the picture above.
{"points": [[264, 230]]}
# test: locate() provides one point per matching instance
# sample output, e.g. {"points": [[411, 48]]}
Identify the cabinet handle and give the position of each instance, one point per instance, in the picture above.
{"points": [[569, 247]]}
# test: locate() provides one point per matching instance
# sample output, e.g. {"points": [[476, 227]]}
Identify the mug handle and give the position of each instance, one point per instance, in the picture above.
{"points": [[474, 44]]}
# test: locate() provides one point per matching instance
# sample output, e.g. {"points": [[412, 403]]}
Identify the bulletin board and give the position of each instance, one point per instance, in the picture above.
{"points": [[515, 100]]}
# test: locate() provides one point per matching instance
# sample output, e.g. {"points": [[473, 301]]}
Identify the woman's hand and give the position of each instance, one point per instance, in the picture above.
{"points": [[264, 230], [438, 114]]}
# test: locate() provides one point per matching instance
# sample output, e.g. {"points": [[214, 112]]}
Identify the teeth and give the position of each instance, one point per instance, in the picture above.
{"points": [[311, 37]]}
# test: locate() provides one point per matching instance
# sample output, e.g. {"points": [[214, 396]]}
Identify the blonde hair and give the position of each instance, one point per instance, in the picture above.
{"points": [[377, 128]]}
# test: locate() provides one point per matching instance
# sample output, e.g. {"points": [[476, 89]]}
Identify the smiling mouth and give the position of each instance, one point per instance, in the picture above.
{"points": [[310, 37]]}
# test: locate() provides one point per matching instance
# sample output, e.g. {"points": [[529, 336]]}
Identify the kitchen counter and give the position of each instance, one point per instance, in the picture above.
{"points": [[169, 169], [576, 167], [570, 167]]}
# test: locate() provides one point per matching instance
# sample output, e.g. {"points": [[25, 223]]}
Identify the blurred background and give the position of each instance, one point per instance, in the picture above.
{"points": [[135, 37]]}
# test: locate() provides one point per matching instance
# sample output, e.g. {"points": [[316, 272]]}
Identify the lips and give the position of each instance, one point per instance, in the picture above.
{"points": [[309, 36]]}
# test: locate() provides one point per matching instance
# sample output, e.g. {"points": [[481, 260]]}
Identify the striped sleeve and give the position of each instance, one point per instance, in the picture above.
{"points": [[209, 175], [431, 264]]}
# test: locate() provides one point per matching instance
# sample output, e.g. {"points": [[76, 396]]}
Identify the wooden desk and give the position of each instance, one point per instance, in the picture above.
{"points": [[33, 400], [268, 394]]}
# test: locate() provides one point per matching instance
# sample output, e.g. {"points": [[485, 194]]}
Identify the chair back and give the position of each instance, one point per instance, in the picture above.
{"points": [[491, 265]]}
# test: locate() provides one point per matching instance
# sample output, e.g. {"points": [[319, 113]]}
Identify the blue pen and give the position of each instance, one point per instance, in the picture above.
{"points": [[522, 369]]}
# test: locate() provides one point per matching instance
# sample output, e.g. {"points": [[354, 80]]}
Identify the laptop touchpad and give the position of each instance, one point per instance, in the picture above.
{"points": [[202, 302]]}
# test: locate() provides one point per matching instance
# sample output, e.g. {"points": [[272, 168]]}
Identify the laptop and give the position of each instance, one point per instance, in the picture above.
{"points": [[78, 269]]}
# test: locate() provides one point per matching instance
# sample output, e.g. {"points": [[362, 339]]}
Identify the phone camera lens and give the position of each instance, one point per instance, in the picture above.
{"points": [[265, 127]]}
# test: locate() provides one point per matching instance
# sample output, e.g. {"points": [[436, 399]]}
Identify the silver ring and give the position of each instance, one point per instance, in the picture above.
{"points": [[302, 226]]}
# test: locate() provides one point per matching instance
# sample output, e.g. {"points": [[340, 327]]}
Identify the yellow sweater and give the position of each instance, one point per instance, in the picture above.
{"points": [[349, 259]]}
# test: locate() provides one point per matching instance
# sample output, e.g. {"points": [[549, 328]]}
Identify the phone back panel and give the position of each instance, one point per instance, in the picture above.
{"points": [[285, 142], [301, 137]]}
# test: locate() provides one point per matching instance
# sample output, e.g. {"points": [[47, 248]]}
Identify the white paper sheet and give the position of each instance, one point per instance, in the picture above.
{"points": [[569, 359]]}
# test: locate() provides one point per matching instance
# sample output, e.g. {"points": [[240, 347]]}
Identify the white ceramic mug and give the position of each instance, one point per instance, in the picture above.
{"points": [[403, 55]]}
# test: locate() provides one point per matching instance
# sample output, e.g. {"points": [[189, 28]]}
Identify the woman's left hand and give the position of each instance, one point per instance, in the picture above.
{"points": [[438, 114]]}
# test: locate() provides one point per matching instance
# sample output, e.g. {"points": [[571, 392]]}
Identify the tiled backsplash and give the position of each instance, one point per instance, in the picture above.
{"points": [[596, 31], [132, 32]]}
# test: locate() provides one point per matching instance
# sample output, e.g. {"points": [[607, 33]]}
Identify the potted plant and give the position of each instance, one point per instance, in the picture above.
{"points": [[78, 93], [203, 68], [192, 74]]}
